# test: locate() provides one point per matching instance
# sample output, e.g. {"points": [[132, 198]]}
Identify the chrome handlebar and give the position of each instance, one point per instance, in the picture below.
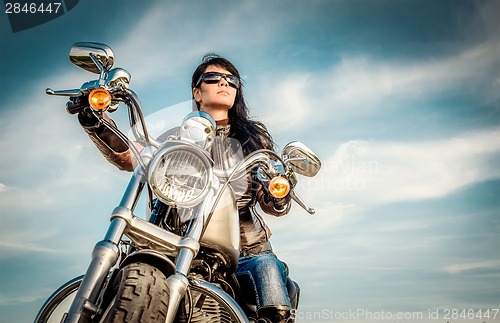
{"points": [[117, 81]]}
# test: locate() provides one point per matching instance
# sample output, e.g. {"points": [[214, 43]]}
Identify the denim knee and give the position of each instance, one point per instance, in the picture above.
{"points": [[268, 276]]}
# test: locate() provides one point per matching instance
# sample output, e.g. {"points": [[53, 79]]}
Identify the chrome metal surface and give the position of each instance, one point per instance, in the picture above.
{"points": [[211, 219], [301, 159], [177, 286], [259, 157], [116, 76], [198, 127], [104, 256], [136, 118], [148, 235], [133, 191], [115, 230], [299, 201], [69, 93], [180, 174], [81, 55], [222, 297]]}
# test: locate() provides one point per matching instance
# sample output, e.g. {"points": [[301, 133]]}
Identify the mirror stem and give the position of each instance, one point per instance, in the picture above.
{"points": [[101, 68]]}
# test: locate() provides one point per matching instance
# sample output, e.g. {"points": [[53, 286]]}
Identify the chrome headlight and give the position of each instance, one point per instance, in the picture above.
{"points": [[180, 175], [198, 127]]}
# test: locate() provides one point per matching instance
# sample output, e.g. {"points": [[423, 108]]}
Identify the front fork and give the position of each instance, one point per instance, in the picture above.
{"points": [[106, 254], [178, 283], [104, 257]]}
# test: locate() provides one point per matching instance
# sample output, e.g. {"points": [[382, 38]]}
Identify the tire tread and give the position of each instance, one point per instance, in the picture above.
{"points": [[142, 295]]}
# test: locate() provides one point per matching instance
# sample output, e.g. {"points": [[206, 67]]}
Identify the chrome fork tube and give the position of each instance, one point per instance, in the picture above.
{"points": [[178, 283], [134, 190], [104, 257]]}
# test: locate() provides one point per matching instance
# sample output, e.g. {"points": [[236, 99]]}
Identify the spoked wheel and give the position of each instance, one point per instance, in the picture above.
{"points": [[142, 296]]}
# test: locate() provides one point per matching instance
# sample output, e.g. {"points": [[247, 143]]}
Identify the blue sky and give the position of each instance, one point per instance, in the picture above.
{"points": [[398, 98]]}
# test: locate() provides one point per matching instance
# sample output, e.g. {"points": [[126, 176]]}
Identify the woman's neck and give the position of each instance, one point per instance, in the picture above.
{"points": [[217, 114], [223, 122]]}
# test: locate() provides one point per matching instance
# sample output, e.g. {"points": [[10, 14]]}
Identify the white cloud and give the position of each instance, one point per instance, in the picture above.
{"points": [[463, 267], [360, 85], [359, 174], [48, 166], [24, 246], [369, 173], [7, 300], [45, 146], [165, 42]]}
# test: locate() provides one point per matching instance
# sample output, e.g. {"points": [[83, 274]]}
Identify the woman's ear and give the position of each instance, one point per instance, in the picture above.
{"points": [[196, 94]]}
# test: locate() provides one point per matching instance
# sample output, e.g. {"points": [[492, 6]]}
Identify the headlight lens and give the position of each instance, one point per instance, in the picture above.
{"points": [[180, 176]]}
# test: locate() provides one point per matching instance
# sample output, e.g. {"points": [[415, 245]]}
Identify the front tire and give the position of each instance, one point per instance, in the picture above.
{"points": [[142, 295]]}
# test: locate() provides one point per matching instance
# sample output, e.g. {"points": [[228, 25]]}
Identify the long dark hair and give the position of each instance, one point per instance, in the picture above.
{"points": [[252, 134]]}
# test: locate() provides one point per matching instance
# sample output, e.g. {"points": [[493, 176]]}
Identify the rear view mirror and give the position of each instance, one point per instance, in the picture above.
{"points": [[93, 57], [301, 159]]}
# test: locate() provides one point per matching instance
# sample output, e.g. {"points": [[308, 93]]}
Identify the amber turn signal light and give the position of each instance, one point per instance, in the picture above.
{"points": [[279, 187], [99, 98]]}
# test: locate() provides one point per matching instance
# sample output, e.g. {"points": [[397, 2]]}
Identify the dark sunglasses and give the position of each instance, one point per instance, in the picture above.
{"points": [[215, 77]]}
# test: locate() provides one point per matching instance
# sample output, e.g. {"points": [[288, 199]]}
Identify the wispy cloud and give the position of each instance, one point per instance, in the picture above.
{"points": [[369, 173], [26, 298], [48, 167], [46, 147], [361, 85], [27, 239], [464, 267], [48, 160], [155, 37], [24, 246]]}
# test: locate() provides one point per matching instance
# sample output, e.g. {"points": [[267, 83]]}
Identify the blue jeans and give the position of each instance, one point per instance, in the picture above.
{"points": [[265, 276]]}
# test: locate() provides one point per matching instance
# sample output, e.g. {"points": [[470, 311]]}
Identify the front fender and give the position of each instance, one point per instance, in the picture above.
{"points": [[153, 258]]}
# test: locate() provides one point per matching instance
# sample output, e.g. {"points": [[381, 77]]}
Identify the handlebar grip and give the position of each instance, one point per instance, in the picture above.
{"points": [[75, 106]]}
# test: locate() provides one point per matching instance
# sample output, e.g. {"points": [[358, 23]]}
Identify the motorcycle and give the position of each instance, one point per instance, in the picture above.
{"points": [[179, 264]]}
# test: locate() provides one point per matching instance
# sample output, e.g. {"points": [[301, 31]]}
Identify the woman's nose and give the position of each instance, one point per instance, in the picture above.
{"points": [[223, 81]]}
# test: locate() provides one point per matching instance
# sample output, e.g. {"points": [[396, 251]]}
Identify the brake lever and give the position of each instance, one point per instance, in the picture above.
{"points": [[299, 201], [70, 93], [86, 87]]}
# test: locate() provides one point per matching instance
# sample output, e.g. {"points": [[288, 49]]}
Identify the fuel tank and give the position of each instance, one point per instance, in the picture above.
{"points": [[223, 231]]}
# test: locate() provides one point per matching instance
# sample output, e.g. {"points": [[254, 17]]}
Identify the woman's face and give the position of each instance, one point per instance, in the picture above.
{"points": [[215, 99]]}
